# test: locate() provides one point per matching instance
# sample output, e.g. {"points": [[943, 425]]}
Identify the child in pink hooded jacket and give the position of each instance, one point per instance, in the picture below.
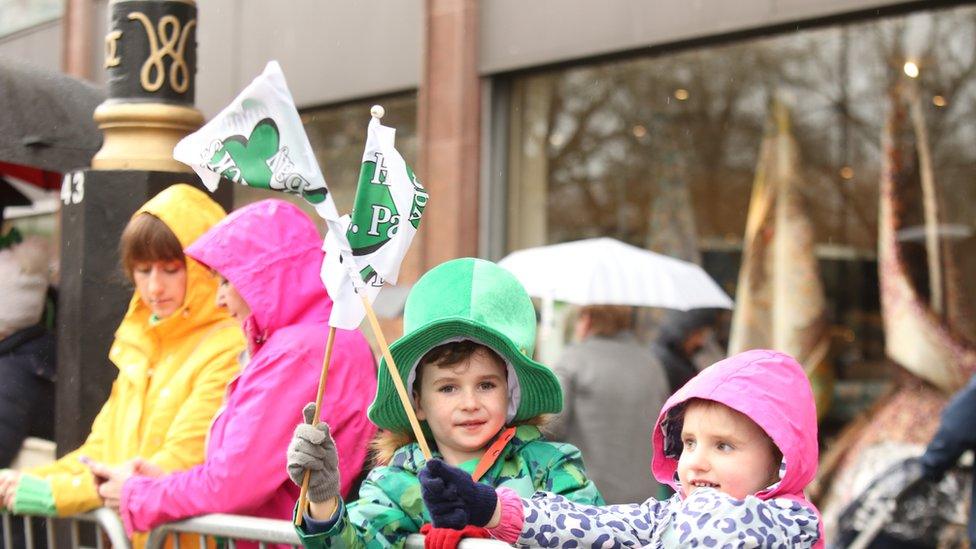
{"points": [[738, 444], [268, 257]]}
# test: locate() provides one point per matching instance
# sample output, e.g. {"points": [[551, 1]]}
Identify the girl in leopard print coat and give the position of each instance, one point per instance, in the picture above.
{"points": [[738, 443]]}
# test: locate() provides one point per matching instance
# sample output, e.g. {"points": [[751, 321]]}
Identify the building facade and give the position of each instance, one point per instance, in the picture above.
{"points": [[541, 122]]}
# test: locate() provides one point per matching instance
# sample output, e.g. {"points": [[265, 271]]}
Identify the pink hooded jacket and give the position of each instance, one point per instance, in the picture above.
{"points": [[770, 388], [270, 252]]}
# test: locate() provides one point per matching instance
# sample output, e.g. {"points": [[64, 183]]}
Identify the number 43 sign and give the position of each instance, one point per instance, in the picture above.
{"points": [[73, 188]]}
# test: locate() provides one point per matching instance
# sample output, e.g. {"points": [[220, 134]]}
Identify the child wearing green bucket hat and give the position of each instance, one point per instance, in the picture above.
{"points": [[469, 333]]}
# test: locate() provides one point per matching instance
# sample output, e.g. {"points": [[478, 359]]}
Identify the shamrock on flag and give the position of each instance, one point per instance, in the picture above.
{"points": [[386, 215], [259, 141]]}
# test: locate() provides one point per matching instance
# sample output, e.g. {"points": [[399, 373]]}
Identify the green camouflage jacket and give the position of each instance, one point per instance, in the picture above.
{"points": [[390, 507]]}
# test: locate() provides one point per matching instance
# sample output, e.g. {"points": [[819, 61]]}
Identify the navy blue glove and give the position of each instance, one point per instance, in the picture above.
{"points": [[453, 498]]}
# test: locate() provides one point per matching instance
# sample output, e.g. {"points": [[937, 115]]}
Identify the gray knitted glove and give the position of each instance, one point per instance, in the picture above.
{"points": [[313, 449]]}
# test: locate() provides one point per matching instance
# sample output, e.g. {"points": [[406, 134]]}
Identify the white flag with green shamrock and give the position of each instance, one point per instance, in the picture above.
{"points": [[386, 215], [259, 141]]}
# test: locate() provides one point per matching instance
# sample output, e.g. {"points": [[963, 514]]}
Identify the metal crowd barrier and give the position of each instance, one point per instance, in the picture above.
{"points": [[236, 528], [230, 528], [108, 527], [233, 528]]}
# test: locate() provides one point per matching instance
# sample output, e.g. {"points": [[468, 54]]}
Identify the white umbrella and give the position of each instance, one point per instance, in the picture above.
{"points": [[605, 271]]}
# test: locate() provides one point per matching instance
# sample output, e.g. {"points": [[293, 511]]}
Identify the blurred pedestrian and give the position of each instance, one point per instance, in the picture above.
{"points": [[27, 352], [682, 335], [613, 388]]}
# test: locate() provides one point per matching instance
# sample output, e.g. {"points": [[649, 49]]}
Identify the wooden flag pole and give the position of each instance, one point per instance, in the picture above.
{"points": [[303, 495], [376, 111], [395, 374]]}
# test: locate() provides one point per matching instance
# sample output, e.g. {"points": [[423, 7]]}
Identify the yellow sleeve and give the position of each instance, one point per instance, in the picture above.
{"points": [[216, 362], [72, 484]]}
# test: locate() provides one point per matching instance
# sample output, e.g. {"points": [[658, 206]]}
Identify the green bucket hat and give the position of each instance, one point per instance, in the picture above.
{"points": [[468, 299]]}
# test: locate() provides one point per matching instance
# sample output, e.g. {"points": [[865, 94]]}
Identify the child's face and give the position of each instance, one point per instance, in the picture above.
{"points": [[228, 298], [725, 450], [464, 405], [161, 285]]}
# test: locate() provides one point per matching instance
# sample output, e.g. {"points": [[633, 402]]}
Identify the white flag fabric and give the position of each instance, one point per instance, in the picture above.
{"points": [[389, 204], [259, 141], [339, 277]]}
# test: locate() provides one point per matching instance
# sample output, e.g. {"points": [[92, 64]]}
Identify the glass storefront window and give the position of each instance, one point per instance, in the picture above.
{"points": [[17, 15], [661, 152], [338, 135]]}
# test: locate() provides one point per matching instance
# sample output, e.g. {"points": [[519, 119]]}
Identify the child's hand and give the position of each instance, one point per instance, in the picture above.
{"points": [[313, 449], [453, 498]]}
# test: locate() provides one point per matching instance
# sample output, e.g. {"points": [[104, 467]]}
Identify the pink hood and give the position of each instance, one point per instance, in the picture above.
{"points": [[280, 284], [771, 389]]}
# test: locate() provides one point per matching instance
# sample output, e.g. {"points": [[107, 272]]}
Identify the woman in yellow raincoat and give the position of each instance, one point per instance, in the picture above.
{"points": [[175, 349]]}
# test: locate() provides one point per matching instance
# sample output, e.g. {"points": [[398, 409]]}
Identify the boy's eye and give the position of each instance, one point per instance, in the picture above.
{"points": [[446, 389], [487, 385]]}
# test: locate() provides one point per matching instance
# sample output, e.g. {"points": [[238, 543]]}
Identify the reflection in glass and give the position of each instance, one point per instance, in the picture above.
{"points": [[661, 152]]}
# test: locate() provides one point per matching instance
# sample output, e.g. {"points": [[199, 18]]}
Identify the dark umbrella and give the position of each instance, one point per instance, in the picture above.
{"points": [[46, 120]]}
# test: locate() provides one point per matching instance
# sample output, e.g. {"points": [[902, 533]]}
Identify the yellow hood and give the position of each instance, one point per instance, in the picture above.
{"points": [[189, 213]]}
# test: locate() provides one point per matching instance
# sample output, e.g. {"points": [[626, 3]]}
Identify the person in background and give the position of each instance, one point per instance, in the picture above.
{"points": [[682, 335], [175, 350], [267, 257], [909, 485], [27, 351], [613, 388]]}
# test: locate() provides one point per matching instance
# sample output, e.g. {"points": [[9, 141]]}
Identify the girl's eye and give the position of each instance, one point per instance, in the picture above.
{"points": [[689, 443], [725, 447], [487, 385]]}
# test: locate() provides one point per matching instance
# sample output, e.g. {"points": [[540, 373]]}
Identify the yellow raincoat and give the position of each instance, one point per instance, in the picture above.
{"points": [[172, 374]]}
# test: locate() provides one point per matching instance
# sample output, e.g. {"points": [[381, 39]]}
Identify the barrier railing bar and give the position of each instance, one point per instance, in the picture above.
{"points": [[28, 532], [233, 527], [75, 535], [416, 541], [230, 526], [8, 540]]}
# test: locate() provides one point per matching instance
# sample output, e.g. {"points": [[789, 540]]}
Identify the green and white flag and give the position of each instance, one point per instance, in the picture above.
{"points": [[389, 204], [259, 141]]}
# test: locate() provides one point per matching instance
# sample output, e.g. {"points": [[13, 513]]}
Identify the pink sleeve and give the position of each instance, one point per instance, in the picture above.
{"points": [[510, 526], [246, 458]]}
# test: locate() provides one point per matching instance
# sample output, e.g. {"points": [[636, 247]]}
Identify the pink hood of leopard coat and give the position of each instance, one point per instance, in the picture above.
{"points": [[770, 388]]}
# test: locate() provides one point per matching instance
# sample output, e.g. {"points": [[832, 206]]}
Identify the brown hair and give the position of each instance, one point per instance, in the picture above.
{"points": [[147, 238], [448, 355], [608, 320]]}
